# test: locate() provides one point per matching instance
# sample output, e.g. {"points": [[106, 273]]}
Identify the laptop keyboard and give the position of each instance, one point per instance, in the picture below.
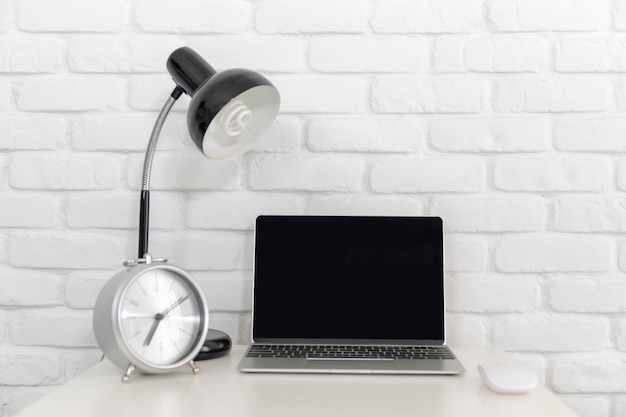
{"points": [[349, 352]]}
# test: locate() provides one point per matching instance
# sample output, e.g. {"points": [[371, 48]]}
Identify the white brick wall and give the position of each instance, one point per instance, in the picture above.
{"points": [[504, 117]]}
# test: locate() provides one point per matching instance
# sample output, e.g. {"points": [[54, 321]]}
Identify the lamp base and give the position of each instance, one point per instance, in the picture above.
{"points": [[216, 345]]}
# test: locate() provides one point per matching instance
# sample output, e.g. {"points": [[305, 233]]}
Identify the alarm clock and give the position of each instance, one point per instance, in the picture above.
{"points": [[151, 317]]}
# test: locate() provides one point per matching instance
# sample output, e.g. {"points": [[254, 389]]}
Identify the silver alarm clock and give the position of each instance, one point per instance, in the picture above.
{"points": [[151, 317]]}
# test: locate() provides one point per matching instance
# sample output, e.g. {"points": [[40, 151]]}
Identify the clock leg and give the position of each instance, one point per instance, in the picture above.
{"points": [[128, 373], [193, 366]]}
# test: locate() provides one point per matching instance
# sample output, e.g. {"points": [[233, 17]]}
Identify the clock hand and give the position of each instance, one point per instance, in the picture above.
{"points": [[160, 316], [173, 306], [155, 325]]}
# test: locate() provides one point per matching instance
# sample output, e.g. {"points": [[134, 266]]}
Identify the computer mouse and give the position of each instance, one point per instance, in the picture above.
{"points": [[508, 377]]}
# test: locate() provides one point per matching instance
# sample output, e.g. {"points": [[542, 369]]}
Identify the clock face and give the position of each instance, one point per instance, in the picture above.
{"points": [[160, 317]]}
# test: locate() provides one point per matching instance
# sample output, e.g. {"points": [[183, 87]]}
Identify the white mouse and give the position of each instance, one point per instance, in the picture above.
{"points": [[508, 377]]}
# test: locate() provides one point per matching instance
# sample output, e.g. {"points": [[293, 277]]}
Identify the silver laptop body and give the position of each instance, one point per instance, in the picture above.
{"points": [[349, 294]]}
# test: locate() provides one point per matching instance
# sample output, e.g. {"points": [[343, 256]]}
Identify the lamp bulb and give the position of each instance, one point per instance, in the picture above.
{"points": [[233, 116]]}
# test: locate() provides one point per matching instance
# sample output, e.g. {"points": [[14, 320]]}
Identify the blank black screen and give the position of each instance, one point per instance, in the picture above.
{"points": [[348, 277]]}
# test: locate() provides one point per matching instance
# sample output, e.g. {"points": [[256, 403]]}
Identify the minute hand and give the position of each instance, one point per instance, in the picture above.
{"points": [[176, 304]]}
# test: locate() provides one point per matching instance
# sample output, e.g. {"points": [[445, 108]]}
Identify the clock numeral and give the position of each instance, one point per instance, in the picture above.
{"points": [[134, 302]]}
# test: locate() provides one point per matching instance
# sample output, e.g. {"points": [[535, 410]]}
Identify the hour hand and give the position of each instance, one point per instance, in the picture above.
{"points": [[157, 320]]}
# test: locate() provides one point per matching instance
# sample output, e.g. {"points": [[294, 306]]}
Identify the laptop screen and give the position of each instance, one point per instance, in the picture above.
{"points": [[344, 278]]}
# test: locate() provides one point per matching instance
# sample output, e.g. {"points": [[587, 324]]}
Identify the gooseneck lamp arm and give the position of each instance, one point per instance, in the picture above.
{"points": [[144, 201], [226, 116]]}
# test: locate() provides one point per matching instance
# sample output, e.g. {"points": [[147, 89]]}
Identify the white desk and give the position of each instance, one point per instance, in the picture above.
{"points": [[219, 390]]}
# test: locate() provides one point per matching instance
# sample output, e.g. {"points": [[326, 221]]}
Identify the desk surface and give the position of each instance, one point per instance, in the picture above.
{"points": [[220, 390]]}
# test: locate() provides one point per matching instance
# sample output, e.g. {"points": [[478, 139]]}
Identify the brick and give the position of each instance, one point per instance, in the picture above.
{"points": [[70, 93], [588, 406], [371, 134], [76, 361], [263, 53], [122, 211], [6, 94], [227, 291], [490, 134], [620, 16], [620, 91], [551, 174], [4, 244], [465, 255], [64, 250], [22, 396], [556, 15], [41, 328], [186, 171], [236, 212], [506, 295], [232, 324], [602, 215], [28, 366], [553, 254], [621, 335], [598, 54], [540, 333], [590, 135], [29, 289], [542, 94], [34, 132], [82, 289], [72, 16], [284, 136], [428, 95], [150, 92], [137, 54], [369, 55], [621, 175], [423, 16], [29, 211], [128, 132], [310, 94], [348, 205], [193, 16], [31, 55], [305, 174], [521, 214], [5, 56], [599, 295], [464, 331], [65, 172], [7, 15], [245, 328], [622, 255], [311, 16], [486, 54], [219, 251], [427, 176], [589, 374]]}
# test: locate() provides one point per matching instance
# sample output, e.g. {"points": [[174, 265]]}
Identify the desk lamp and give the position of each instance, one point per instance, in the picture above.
{"points": [[137, 323]]}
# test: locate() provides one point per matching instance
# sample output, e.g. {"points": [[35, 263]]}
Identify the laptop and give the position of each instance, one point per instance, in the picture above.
{"points": [[349, 294]]}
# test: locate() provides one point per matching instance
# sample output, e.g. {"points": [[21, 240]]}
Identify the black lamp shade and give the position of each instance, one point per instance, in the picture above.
{"points": [[229, 111]]}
